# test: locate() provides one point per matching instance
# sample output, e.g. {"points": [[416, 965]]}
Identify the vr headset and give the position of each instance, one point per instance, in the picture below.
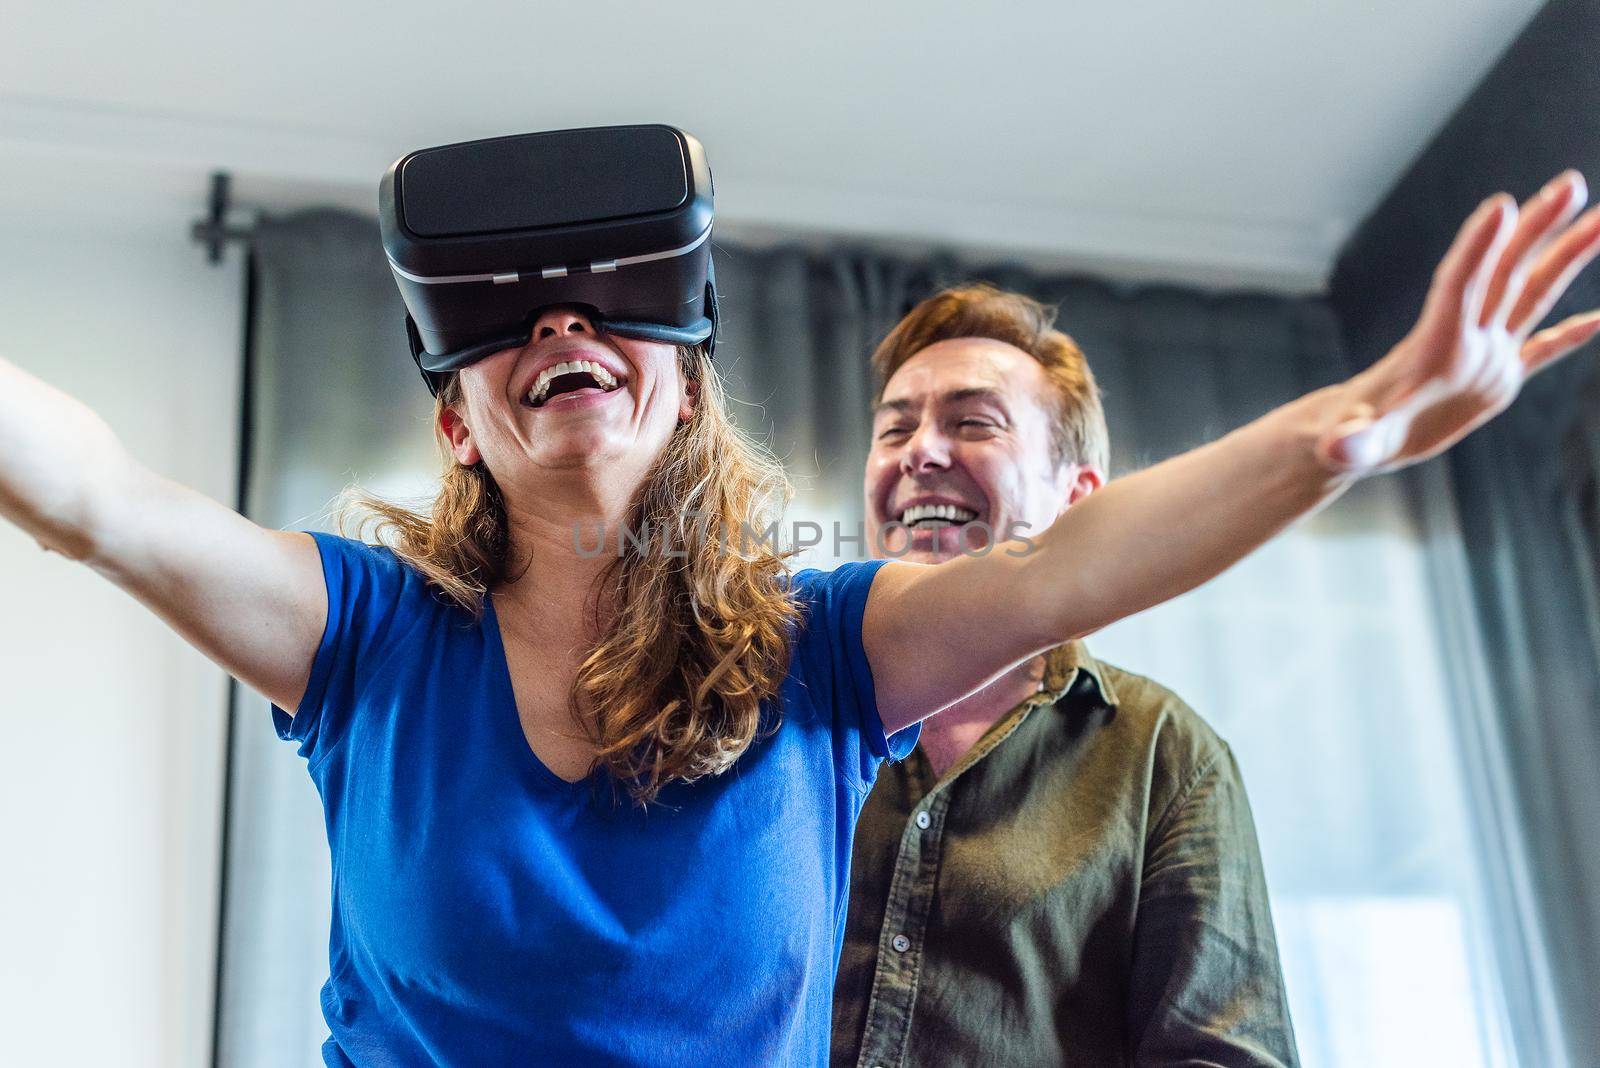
{"points": [[482, 235]]}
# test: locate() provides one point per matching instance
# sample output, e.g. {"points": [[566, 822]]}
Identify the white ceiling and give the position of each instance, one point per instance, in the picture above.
{"points": [[1233, 142]]}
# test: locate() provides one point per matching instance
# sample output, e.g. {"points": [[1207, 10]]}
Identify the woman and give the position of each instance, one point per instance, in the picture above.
{"points": [[490, 904]]}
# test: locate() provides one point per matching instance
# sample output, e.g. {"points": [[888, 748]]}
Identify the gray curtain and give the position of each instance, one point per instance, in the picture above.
{"points": [[1530, 519], [1177, 366], [1527, 487], [337, 398], [334, 399]]}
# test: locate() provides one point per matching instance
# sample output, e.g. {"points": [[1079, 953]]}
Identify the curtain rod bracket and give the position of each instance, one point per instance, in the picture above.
{"points": [[213, 231]]}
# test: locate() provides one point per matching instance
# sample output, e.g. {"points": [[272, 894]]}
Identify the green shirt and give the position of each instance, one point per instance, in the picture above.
{"points": [[1083, 887]]}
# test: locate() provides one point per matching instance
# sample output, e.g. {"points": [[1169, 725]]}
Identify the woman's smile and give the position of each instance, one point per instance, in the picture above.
{"points": [[584, 397]]}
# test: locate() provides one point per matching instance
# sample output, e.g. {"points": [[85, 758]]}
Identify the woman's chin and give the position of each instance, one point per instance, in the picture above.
{"points": [[611, 451]]}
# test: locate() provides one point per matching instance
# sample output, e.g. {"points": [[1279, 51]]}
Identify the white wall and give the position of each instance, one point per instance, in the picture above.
{"points": [[112, 727]]}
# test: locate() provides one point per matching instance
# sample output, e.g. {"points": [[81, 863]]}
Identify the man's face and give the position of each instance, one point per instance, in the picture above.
{"points": [[963, 437]]}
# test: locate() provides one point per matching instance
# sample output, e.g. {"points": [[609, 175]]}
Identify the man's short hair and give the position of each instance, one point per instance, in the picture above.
{"points": [[982, 311]]}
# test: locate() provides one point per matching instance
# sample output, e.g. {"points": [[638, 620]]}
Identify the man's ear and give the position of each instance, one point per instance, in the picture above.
{"points": [[1081, 480], [691, 396], [456, 431], [1088, 479]]}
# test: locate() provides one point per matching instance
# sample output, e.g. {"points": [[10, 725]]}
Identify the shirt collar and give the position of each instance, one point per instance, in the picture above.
{"points": [[1070, 670], [1072, 680]]}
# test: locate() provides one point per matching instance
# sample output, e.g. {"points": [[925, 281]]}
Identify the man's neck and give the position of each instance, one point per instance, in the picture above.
{"points": [[949, 735]]}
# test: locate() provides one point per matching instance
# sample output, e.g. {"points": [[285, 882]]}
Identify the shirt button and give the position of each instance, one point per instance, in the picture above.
{"points": [[901, 943], [923, 820]]}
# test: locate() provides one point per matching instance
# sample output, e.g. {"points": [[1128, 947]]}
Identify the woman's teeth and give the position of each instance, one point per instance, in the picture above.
{"points": [[541, 386], [936, 515]]}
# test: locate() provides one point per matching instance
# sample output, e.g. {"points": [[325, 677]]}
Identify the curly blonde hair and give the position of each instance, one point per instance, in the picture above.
{"points": [[692, 644]]}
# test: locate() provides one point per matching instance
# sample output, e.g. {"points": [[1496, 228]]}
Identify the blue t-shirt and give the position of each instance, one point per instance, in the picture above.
{"points": [[485, 911]]}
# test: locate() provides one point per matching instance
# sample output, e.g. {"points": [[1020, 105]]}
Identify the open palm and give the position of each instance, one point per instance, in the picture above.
{"points": [[1471, 349]]}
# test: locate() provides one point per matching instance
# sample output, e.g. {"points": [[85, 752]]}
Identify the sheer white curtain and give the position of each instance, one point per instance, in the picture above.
{"points": [[1321, 662], [1321, 659]]}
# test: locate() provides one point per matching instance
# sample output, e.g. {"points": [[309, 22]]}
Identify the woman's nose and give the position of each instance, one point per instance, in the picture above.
{"points": [[556, 321]]}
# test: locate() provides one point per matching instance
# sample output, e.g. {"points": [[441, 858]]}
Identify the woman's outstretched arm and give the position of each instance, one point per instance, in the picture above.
{"points": [[934, 634], [252, 600]]}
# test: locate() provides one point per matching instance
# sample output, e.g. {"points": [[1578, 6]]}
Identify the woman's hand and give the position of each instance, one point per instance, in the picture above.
{"points": [[936, 633], [1470, 351]]}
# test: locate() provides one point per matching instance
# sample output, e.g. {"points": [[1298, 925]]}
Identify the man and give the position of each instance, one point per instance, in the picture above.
{"points": [[1065, 870]]}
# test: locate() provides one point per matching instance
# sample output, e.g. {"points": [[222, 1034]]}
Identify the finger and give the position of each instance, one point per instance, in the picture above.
{"points": [[1478, 287], [1447, 296], [1539, 220], [1548, 346], [1557, 266]]}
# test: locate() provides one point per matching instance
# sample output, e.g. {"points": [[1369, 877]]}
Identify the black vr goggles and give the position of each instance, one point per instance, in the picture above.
{"points": [[613, 219]]}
